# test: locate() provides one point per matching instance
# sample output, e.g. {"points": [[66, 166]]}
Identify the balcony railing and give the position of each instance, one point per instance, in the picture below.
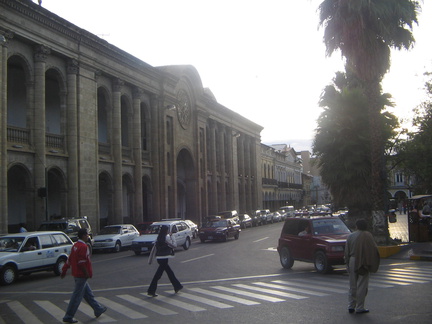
{"points": [[54, 141], [18, 135]]}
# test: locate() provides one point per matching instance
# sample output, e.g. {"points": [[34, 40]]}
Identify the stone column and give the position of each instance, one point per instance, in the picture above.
{"points": [[241, 170], [222, 168], [137, 156], [117, 153], [72, 138], [155, 137], [213, 167], [3, 135], [41, 53]]}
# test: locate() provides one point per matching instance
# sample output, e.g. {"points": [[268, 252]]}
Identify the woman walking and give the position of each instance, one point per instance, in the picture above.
{"points": [[164, 246]]}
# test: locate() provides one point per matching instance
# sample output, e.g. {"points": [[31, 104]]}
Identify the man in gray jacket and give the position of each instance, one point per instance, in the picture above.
{"points": [[362, 257]]}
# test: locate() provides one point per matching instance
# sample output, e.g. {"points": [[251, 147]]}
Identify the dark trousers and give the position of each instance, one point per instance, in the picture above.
{"points": [[163, 266]]}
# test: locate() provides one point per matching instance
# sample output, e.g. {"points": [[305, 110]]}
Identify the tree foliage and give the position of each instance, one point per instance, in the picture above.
{"points": [[415, 154], [365, 31], [342, 141]]}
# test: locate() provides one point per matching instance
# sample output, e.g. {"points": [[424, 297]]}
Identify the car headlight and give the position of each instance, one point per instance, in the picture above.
{"points": [[337, 248]]}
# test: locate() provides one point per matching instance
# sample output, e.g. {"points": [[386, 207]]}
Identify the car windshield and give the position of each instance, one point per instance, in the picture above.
{"points": [[329, 226], [153, 229], [110, 230], [10, 244], [142, 227], [218, 223]]}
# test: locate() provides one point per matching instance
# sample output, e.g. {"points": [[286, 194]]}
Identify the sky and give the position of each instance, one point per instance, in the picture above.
{"points": [[264, 59]]}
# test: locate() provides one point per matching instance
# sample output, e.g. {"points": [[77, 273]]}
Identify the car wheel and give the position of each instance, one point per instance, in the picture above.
{"points": [[8, 275], [117, 246], [321, 263], [224, 238], [187, 244], [58, 267], [286, 259], [137, 252], [236, 236], [202, 240]]}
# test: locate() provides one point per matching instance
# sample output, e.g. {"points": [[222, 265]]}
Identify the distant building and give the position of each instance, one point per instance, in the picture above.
{"points": [[282, 177], [317, 190]]}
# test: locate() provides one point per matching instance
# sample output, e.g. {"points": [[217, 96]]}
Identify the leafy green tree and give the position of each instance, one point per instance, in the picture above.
{"points": [[365, 31], [342, 142], [415, 154]]}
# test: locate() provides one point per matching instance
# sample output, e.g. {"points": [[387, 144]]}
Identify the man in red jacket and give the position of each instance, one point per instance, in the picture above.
{"points": [[79, 261]]}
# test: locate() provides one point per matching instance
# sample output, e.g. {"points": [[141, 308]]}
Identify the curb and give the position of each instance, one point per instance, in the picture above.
{"points": [[421, 258], [386, 251]]}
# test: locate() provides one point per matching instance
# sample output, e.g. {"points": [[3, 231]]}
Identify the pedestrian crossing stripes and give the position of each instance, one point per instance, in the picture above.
{"points": [[138, 306]]}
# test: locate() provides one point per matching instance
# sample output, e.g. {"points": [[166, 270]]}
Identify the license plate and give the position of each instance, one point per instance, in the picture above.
{"points": [[210, 237], [143, 249]]}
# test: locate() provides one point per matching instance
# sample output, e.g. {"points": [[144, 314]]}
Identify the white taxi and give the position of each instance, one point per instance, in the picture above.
{"points": [[24, 253]]}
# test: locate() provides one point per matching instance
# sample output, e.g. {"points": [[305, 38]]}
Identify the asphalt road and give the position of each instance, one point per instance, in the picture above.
{"points": [[238, 281]]}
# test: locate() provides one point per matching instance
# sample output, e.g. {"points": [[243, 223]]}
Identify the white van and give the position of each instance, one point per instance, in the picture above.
{"points": [[288, 210]]}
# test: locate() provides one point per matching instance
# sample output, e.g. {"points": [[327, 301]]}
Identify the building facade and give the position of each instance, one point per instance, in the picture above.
{"points": [[282, 183], [89, 130]]}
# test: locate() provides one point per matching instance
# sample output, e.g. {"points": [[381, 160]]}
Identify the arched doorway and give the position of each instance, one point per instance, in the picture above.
{"points": [[187, 194], [57, 195], [19, 199]]}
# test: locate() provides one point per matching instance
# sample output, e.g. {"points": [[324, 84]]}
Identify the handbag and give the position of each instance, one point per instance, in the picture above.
{"points": [[163, 249]]}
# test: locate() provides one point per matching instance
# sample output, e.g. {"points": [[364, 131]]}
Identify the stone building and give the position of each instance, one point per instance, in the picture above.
{"points": [[90, 130], [282, 177]]}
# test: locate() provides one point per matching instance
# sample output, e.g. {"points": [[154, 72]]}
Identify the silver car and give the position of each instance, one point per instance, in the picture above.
{"points": [[24, 253], [115, 237], [180, 231]]}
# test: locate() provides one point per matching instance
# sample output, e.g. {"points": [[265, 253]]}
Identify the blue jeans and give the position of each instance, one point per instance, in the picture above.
{"points": [[82, 290]]}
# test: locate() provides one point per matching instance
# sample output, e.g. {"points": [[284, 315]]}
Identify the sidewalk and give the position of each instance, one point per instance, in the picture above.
{"points": [[414, 251], [408, 250]]}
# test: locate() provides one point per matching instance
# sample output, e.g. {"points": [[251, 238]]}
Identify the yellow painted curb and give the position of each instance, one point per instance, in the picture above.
{"points": [[386, 251]]}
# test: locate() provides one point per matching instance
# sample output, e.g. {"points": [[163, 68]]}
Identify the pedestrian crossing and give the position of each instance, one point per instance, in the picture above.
{"points": [[138, 306]]}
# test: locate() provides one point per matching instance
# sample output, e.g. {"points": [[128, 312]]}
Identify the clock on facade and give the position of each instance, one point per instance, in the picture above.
{"points": [[183, 109]]}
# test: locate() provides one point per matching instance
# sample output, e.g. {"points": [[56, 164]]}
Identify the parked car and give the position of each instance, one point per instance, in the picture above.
{"points": [[245, 220], [193, 227], [24, 253], [276, 217], [232, 214], [323, 245], [70, 226], [115, 237], [256, 218], [269, 218], [143, 227], [180, 231], [263, 215], [288, 210], [219, 229]]}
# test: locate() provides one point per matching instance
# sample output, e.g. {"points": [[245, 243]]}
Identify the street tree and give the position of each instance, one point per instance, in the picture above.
{"points": [[365, 31], [342, 141], [415, 154]]}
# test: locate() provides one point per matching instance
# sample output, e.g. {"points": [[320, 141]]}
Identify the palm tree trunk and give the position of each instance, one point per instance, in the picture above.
{"points": [[378, 220]]}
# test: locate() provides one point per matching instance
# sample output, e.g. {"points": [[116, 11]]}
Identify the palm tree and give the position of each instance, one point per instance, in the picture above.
{"points": [[341, 143], [365, 31]]}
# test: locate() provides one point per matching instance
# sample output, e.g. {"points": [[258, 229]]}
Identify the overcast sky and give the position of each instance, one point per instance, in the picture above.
{"points": [[263, 59]]}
